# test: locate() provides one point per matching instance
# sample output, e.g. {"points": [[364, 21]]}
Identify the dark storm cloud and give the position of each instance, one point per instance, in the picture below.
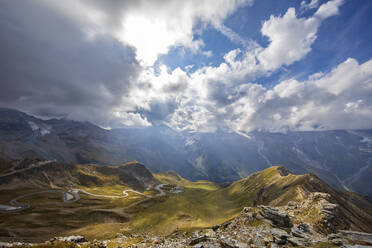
{"points": [[50, 66]]}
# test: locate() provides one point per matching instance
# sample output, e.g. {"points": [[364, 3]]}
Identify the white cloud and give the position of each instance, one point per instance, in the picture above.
{"points": [[208, 53], [288, 88], [220, 96], [224, 95], [291, 36], [353, 106], [309, 5], [152, 27], [328, 9], [344, 76], [339, 99], [227, 95], [131, 119]]}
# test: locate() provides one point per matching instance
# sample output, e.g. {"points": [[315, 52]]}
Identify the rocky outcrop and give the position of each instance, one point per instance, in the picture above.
{"points": [[283, 171], [72, 239], [304, 224], [358, 237], [278, 218], [69, 241]]}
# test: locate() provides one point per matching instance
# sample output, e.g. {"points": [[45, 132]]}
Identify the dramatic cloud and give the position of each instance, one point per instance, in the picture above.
{"points": [[78, 59], [153, 27], [336, 100], [51, 68], [94, 60], [219, 97]]}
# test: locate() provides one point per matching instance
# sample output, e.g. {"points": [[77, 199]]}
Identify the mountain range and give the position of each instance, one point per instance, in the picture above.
{"points": [[342, 158]]}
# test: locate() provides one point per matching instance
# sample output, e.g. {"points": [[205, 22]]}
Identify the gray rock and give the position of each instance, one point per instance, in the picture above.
{"points": [[226, 244], [338, 242], [280, 219], [215, 228], [273, 245], [358, 246], [297, 241], [300, 230], [279, 236], [357, 236], [334, 236], [73, 239], [198, 240]]}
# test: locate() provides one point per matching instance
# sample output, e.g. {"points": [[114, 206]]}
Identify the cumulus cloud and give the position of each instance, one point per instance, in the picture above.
{"points": [[291, 37], [312, 104], [315, 104], [220, 97], [81, 59], [153, 27]]}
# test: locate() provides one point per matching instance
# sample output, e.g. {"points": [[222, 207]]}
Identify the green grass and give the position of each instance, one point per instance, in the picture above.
{"points": [[192, 208], [174, 179], [49, 216], [202, 204], [256, 223]]}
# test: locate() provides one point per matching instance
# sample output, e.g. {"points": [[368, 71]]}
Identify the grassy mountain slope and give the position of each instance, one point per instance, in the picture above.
{"points": [[203, 204], [186, 204], [49, 216]]}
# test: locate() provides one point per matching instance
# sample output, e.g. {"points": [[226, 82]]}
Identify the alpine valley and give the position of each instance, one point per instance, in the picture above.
{"points": [[65, 183], [342, 158]]}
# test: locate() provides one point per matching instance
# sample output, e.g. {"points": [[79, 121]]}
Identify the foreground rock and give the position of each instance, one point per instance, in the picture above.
{"points": [[357, 236], [315, 222], [72, 239], [280, 219]]}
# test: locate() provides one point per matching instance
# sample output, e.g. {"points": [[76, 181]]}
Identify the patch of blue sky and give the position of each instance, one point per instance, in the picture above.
{"points": [[339, 37]]}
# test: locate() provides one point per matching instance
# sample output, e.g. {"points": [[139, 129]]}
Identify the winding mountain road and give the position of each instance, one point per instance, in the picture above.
{"points": [[15, 206], [73, 196], [68, 197]]}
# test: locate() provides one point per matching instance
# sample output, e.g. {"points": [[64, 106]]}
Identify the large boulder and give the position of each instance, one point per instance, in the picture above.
{"points": [[280, 219], [72, 239], [358, 237]]}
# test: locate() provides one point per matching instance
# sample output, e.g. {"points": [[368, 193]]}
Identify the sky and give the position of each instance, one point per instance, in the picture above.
{"points": [[198, 66]]}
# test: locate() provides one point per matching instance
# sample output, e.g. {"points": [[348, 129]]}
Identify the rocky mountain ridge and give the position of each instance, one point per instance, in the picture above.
{"points": [[314, 222]]}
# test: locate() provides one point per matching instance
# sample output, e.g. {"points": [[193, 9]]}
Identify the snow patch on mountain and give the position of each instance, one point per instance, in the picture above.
{"points": [[190, 142], [36, 128], [244, 135]]}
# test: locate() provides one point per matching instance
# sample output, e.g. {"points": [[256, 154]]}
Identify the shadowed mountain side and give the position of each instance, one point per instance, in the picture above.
{"points": [[34, 173]]}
